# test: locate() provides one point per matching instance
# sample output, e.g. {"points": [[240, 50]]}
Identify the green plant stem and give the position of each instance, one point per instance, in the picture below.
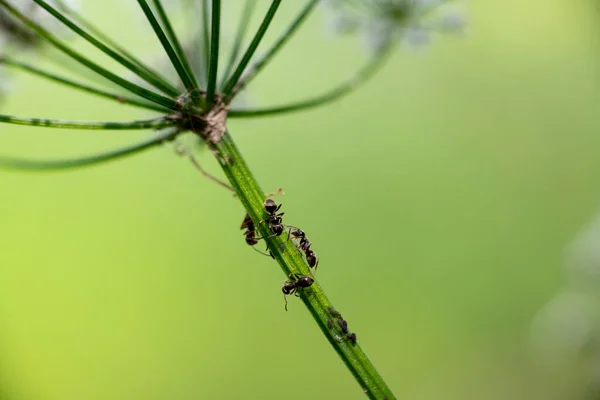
{"points": [[26, 164], [262, 29], [156, 123], [100, 35], [136, 69], [176, 43], [281, 41], [239, 37], [213, 60], [204, 39], [360, 77], [44, 34], [79, 86], [187, 80], [291, 261]]}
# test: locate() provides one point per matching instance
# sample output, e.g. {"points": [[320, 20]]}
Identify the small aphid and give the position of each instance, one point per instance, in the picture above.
{"points": [[334, 313], [295, 283], [343, 325], [352, 338], [330, 323]]}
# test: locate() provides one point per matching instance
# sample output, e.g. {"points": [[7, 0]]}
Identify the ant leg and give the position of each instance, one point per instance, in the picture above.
{"points": [[295, 276], [263, 253], [285, 299], [183, 151]]}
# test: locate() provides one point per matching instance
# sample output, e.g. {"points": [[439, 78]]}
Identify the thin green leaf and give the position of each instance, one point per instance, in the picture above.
{"points": [[262, 29], [178, 49], [155, 123], [213, 67], [142, 73], [239, 37], [283, 38], [44, 34], [76, 85], [189, 84], [362, 76], [23, 164], [120, 49], [206, 36]]}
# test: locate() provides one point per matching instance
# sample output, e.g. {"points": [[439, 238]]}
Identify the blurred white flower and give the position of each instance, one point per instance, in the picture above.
{"points": [[18, 35], [566, 328], [566, 331], [384, 21], [583, 257]]}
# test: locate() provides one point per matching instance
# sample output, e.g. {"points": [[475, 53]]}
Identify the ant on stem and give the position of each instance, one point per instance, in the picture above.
{"points": [[292, 286], [273, 219], [304, 245]]}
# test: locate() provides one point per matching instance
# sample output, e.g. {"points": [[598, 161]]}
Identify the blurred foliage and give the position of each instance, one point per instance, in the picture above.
{"points": [[439, 198]]}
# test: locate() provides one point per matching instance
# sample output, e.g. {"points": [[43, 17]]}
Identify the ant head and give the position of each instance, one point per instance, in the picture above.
{"points": [[250, 239], [287, 288], [271, 206], [298, 233], [305, 281]]}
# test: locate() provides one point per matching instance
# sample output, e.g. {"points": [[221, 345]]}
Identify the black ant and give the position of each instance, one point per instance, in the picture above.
{"points": [[304, 245], [274, 220], [250, 230], [292, 286], [250, 233]]}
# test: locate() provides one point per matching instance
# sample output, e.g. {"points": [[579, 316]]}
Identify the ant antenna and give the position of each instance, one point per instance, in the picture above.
{"points": [[279, 191]]}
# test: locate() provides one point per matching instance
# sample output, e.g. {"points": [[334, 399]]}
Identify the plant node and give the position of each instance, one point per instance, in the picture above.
{"points": [[210, 125]]}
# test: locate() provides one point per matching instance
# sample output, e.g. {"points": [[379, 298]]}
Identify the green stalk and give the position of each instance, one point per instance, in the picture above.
{"points": [[213, 63], [343, 89], [239, 37], [291, 261], [204, 39], [155, 123], [24, 164], [141, 72], [176, 43], [188, 82], [117, 47], [79, 86], [262, 29], [44, 34], [281, 41]]}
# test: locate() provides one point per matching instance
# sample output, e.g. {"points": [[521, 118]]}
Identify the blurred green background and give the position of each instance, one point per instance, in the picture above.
{"points": [[439, 198]]}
